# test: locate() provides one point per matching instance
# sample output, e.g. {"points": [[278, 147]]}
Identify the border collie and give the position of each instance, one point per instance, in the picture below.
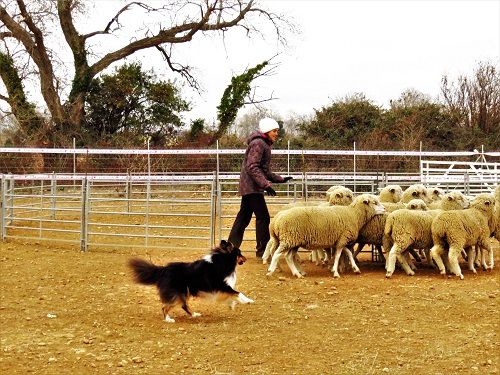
{"points": [[213, 276]]}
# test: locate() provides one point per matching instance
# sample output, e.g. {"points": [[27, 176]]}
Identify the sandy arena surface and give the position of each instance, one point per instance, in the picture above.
{"points": [[63, 311]]}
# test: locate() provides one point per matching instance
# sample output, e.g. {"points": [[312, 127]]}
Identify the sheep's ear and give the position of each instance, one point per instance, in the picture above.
{"points": [[450, 198]]}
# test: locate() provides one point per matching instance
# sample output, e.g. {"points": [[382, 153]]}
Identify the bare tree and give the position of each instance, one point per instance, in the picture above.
{"points": [[27, 25], [475, 101]]}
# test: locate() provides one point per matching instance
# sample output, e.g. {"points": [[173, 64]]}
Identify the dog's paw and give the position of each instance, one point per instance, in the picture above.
{"points": [[195, 314], [244, 299], [168, 319]]}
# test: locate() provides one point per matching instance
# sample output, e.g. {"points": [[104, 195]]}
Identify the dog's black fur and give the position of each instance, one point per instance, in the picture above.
{"points": [[213, 275]]}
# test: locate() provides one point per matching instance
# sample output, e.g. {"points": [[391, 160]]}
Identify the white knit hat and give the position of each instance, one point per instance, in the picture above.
{"points": [[267, 124]]}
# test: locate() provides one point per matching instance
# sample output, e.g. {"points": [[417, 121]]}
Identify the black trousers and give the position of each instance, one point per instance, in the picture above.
{"points": [[250, 204]]}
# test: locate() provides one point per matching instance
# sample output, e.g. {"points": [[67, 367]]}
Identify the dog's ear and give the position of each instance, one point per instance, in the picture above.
{"points": [[226, 246], [230, 246]]}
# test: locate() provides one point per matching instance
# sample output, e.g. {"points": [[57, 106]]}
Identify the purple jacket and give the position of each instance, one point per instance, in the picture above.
{"points": [[255, 174]]}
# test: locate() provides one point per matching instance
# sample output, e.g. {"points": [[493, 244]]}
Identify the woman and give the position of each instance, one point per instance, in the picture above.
{"points": [[255, 178]]}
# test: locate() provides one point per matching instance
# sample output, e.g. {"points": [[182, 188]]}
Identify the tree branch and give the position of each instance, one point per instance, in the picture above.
{"points": [[176, 34], [35, 47], [184, 71]]}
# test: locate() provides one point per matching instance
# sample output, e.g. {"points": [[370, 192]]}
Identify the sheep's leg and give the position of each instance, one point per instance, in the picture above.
{"points": [[355, 267], [409, 260], [380, 252], [276, 256], [483, 248], [489, 249], [313, 257], [436, 252], [479, 258], [289, 257], [297, 262], [471, 258], [328, 256], [323, 256], [390, 264], [415, 255], [358, 249], [269, 251], [402, 258], [428, 258], [453, 255], [335, 268], [318, 256]]}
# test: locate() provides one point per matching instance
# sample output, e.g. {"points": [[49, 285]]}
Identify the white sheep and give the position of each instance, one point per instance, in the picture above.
{"points": [[416, 204], [331, 189], [340, 196], [372, 233], [322, 227], [460, 229], [391, 193], [496, 223], [434, 194], [411, 229]]}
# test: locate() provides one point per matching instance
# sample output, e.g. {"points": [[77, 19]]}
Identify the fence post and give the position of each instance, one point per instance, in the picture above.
{"points": [[53, 194], [84, 214], [466, 183], [128, 188], [10, 189], [354, 167], [218, 189], [305, 190], [218, 192], [74, 163], [288, 168], [3, 201], [213, 210], [146, 219]]}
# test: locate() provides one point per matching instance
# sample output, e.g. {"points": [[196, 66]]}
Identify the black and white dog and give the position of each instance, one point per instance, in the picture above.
{"points": [[212, 276]]}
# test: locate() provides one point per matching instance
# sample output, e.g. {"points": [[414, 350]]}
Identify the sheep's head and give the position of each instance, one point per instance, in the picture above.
{"points": [[371, 201], [330, 191], [342, 196], [484, 202], [434, 193], [391, 193], [416, 204], [455, 200], [417, 191]]}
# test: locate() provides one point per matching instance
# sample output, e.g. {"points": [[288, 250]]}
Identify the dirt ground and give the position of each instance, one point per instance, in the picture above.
{"points": [[63, 311]]}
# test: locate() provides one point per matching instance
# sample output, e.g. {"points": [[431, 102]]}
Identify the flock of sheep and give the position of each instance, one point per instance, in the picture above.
{"points": [[403, 225]]}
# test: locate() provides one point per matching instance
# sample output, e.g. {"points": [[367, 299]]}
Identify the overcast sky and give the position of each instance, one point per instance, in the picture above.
{"points": [[379, 48]]}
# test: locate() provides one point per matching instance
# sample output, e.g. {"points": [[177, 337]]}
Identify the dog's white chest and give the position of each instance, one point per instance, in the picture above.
{"points": [[231, 280]]}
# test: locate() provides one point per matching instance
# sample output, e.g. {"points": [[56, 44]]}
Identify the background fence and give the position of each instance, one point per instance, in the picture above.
{"points": [[143, 203]]}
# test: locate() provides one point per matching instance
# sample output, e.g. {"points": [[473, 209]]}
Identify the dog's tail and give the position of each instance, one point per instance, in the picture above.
{"points": [[145, 272]]}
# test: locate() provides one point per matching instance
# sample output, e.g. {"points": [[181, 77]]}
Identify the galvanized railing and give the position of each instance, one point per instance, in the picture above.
{"points": [[168, 211]]}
